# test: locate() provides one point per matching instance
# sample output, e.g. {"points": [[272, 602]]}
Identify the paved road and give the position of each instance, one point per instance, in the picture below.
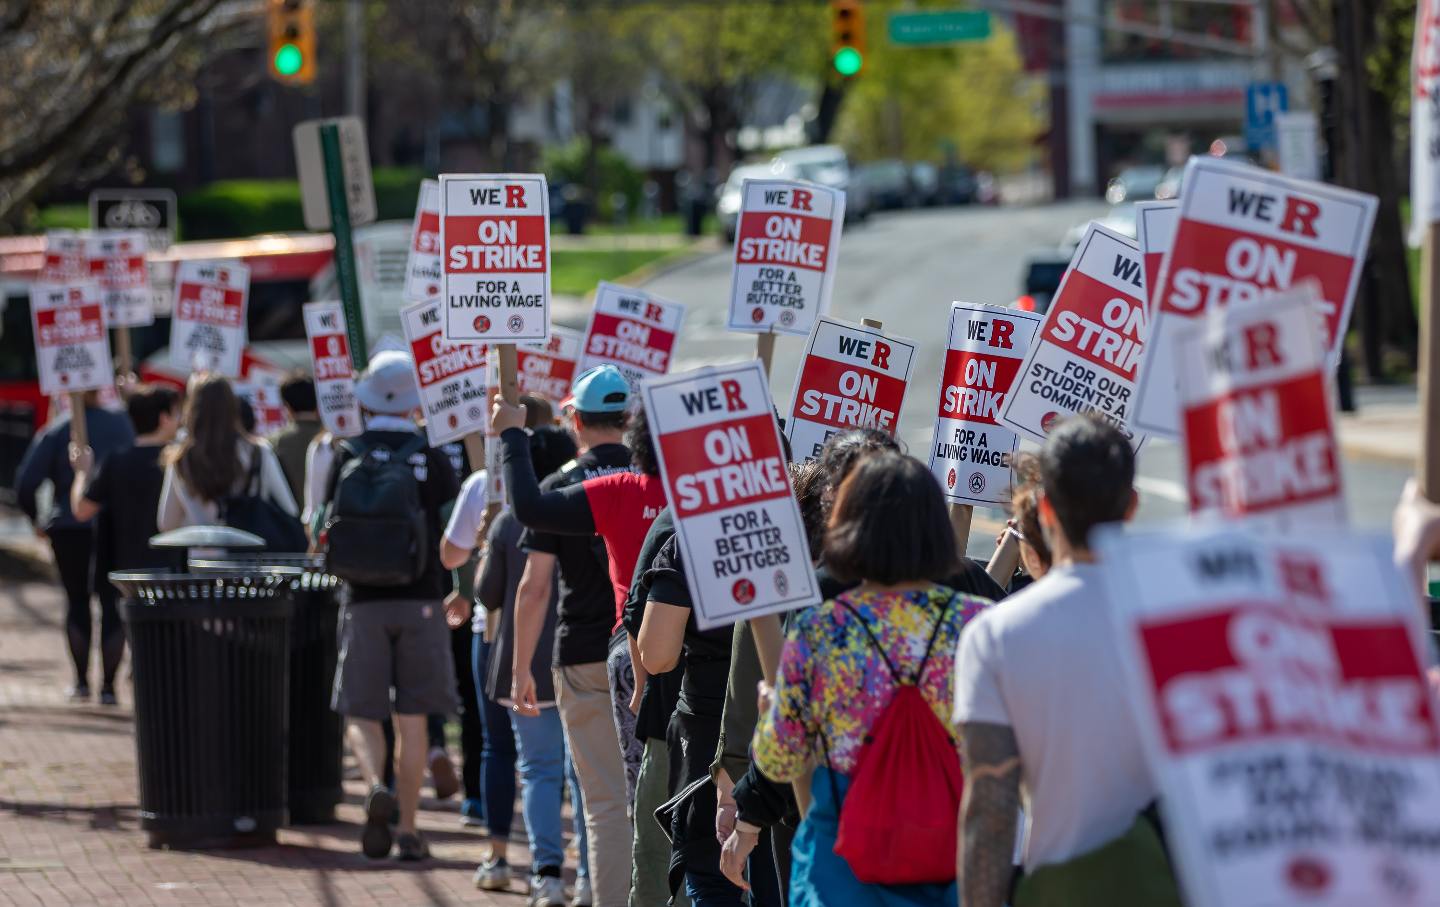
{"points": [[905, 268]]}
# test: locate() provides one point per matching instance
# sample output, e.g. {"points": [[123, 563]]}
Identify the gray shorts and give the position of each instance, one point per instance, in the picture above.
{"points": [[399, 647]]}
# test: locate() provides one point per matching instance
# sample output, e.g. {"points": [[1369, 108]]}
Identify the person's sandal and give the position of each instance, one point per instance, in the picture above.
{"points": [[411, 847], [376, 837]]}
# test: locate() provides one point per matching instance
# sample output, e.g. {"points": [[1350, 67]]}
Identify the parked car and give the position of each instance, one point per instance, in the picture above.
{"points": [[1134, 184], [828, 165], [958, 185], [1041, 278], [888, 183], [925, 182], [727, 198]]}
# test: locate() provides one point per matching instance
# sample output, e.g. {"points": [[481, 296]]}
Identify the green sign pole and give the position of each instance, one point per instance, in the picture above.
{"points": [[344, 245]]}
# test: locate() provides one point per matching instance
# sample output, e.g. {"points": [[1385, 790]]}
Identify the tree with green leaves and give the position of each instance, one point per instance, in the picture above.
{"points": [[924, 103]]}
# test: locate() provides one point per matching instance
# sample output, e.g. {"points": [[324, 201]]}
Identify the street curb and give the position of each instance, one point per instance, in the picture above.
{"points": [[654, 271]]}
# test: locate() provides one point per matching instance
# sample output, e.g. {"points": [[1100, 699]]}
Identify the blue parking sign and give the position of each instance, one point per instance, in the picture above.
{"points": [[1264, 101]]}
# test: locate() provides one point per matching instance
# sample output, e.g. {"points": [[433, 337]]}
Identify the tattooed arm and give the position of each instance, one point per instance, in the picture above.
{"points": [[988, 813]]}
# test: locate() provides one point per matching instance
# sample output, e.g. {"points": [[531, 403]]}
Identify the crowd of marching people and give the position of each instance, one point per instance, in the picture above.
{"points": [[939, 730]]}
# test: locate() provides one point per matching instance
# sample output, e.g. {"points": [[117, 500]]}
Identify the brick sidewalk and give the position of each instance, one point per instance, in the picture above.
{"points": [[70, 834]]}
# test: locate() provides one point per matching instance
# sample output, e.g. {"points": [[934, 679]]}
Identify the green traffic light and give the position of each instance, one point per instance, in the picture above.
{"points": [[848, 61], [289, 60]]}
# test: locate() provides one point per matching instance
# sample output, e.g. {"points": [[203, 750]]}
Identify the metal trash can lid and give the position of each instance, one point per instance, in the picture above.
{"points": [[312, 566], [158, 585], [206, 537]]}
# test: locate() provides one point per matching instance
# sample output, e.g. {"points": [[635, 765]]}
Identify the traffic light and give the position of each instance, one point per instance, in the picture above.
{"points": [[847, 47], [292, 41]]}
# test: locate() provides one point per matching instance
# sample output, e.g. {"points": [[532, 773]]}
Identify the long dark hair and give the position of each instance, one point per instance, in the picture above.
{"points": [[641, 443], [206, 458]]}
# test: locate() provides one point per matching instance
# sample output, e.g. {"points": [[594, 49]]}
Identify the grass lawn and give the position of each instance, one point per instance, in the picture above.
{"points": [[576, 273], [63, 217], [665, 224]]}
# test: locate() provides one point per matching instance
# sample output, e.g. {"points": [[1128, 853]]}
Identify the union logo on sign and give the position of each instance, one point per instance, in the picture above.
{"points": [[757, 315], [1048, 421], [977, 482], [482, 324], [782, 582], [1308, 874], [950, 479], [743, 591], [516, 324]]}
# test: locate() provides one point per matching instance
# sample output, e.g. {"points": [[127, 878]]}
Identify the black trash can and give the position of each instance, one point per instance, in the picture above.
{"points": [[210, 659], [317, 732]]}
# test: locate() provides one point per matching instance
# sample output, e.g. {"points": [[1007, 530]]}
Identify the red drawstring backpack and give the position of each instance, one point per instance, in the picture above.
{"points": [[898, 820]]}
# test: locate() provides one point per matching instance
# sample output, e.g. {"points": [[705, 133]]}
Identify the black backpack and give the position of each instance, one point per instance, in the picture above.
{"points": [[374, 529], [252, 512]]}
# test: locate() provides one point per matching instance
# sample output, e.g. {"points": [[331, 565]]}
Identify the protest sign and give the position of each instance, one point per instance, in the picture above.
{"points": [[72, 349], [422, 266], [631, 330], [787, 241], [1278, 689], [970, 453], [548, 369], [495, 236], [65, 258], [1083, 360], [1425, 120], [850, 377], [1244, 234], [333, 369], [262, 392], [736, 519], [1258, 431], [117, 264], [1154, 232], [452, 377], [207, 329]]}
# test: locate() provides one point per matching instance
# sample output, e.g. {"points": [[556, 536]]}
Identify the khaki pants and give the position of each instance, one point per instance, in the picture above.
{"points": [[650, 869], [582, 693]]}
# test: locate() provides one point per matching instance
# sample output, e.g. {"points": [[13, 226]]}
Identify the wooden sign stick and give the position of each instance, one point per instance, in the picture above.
{"points": [[79, 435], [124, 355], [1428, 468]]}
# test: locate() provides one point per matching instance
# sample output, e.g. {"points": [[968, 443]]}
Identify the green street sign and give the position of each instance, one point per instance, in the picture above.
{"points": [[934, 29]]}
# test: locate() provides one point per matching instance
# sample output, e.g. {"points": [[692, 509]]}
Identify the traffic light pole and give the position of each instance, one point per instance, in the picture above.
{"points": [[344, 245]]}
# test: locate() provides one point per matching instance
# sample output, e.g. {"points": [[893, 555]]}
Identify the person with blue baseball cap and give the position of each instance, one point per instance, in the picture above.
{"points": [[591, 517]]}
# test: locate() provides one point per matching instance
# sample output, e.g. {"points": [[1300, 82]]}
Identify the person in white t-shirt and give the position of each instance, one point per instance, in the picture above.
{"points": [[1040, 699]]}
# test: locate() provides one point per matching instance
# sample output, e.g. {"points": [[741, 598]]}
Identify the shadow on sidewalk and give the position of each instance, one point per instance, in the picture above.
{"points": [[101, 816]]}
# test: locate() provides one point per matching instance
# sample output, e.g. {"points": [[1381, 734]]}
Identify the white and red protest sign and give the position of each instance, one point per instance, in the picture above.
{"points": [[787, 242], [736, 518], [547, 369], [262, 392], [1259, 437], [631, 330], [207, 328], [1154, 233], [850, 377], [1425, 120], [65, 258], [333, 368], [1279, 692], [495, 235], [422, 265], [117, 264], [454, 391], [1085, 356], [1245, 234], [971, 451], [72, 348]]}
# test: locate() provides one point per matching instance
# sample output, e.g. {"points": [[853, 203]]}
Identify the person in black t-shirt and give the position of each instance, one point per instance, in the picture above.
{"points": [[123, 489], [582, 638], [394, 644]]}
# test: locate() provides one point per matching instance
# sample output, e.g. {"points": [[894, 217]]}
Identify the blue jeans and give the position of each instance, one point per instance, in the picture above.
{"points": [[497, 759], [577, 802], [541, 745]]}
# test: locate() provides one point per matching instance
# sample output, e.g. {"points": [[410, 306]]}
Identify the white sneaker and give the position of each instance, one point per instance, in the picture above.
{"points": [[492, 875], [583, 897], [546, 891]]}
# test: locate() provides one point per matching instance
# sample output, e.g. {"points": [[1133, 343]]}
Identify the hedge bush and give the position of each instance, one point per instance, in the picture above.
{"points": [[244, 207]]}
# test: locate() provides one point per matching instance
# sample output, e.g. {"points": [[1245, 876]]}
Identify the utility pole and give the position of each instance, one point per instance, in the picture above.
{"points": [[355, 58]]}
